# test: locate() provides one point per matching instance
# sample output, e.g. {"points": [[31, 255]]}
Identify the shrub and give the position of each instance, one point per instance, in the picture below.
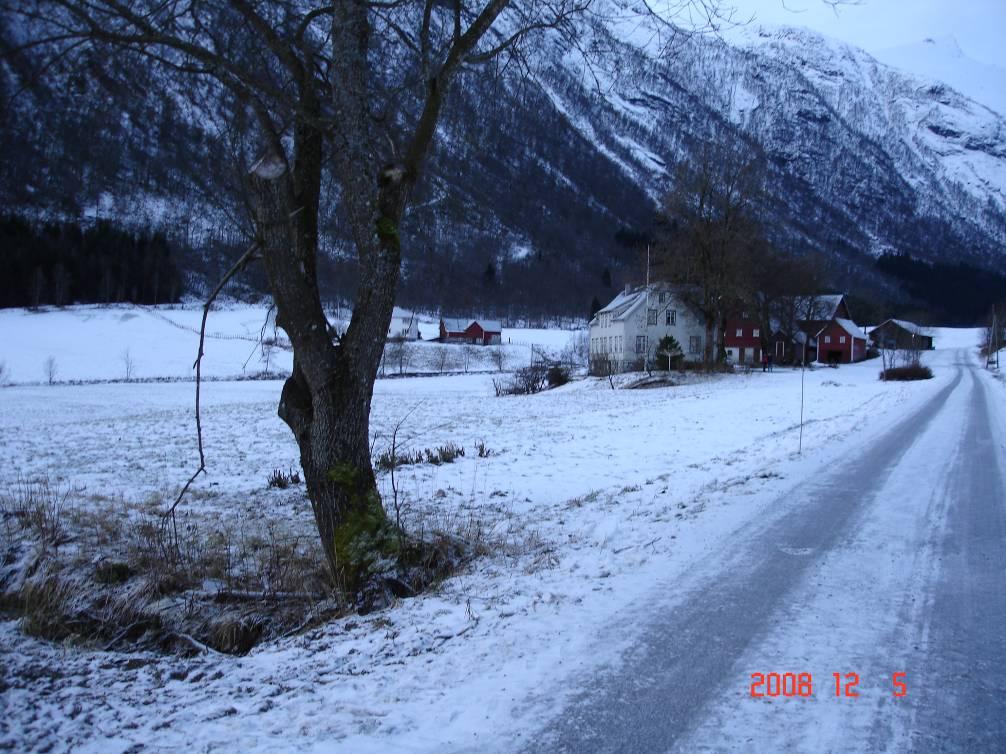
{"points": [[911, 372], [444, 454], [281, 481], [387, 461], [557, 376], [526, 381], [38, 506]]}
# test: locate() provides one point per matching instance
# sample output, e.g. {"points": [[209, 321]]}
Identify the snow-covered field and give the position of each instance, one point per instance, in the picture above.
{"points": [[594, 501], [90, 343]]}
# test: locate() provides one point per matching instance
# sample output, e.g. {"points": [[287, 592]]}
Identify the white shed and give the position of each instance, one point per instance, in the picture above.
{"points": [[404, 325]]}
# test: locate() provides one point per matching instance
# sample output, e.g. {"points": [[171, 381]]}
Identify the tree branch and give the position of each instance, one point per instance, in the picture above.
{"points": [[238, 266]]}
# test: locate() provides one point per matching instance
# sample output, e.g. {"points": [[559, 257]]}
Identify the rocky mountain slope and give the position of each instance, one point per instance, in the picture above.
{"points": [[541, 185]]}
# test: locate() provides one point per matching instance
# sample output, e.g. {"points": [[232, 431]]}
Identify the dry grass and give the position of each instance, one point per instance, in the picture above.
{"points": [[110, 573]]}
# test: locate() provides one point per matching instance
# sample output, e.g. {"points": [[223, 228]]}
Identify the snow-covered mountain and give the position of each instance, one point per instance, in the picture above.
{"points": [[550, 180], [942, 59]]}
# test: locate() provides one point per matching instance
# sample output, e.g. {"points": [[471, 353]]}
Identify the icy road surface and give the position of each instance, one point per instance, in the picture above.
{"points": [[890, 561]]}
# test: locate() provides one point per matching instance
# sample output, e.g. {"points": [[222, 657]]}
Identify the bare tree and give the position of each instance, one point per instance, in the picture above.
{"points": [[579, 350], [360, 84], [399, 352], [498, 357], [888, 357], [357, 87], [707, 241], [128, 364], [468, 352], [50, 370], [440, 358]]}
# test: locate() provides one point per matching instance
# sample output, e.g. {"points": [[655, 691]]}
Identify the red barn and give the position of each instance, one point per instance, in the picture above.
{"points": [[484, 332], [841, 341]]}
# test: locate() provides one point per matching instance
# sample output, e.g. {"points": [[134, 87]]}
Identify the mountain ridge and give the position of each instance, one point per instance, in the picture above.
{"points": [[861, 160]]}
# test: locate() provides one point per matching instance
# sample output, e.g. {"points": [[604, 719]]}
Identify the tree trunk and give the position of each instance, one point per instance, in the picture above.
{"points": [[326, 400], [709, 346]]}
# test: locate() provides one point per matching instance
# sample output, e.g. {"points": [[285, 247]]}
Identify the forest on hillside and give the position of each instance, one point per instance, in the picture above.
{"points": [[64, 263]]}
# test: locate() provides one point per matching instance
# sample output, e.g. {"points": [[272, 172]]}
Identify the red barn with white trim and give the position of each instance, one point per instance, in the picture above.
{"points": [[841, 341]]}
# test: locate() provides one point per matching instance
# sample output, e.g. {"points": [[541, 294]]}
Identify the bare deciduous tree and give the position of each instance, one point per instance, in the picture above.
{"points": [[498, 357], [440, 358], [360, 84], [50, 370], [468, 353], [709, 230], [128, 364], [357, 87], [399, 353]]}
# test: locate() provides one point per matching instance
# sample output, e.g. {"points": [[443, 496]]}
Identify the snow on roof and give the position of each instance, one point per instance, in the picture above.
{"points": [[623, 303], [400, 313], [628, 301], [490, 325], [906, 325], [850, 327], [455, 324]]}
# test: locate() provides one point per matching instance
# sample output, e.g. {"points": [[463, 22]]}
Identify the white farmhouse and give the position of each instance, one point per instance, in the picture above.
{"points": [[624, 334], [404, 325]]}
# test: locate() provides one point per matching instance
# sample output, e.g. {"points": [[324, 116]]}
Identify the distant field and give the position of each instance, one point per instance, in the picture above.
{"points": [[90, 343]]}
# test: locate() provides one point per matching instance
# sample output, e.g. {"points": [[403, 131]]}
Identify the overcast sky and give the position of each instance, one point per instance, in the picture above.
{"points": [[978, 25]]}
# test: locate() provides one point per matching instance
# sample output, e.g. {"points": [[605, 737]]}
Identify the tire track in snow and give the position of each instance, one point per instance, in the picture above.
{"points": [[688, 656], [964, 708]]}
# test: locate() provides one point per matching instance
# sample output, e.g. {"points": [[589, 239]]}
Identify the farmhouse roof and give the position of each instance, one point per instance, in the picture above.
{"points": [[849, 326], [904, 324], [629, 300], [490, 325], [455, 324]]}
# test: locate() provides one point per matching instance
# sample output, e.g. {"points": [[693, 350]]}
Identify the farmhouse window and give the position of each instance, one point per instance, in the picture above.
{"points": [[651, 316], [756, 333], [663, 296], [827, 339], [841, 339], [695, 344], [672, 317], [739, 333], [640, 344]]}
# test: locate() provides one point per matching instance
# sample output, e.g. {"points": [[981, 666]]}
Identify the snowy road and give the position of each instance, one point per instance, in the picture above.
{"points": [[890, 562]]}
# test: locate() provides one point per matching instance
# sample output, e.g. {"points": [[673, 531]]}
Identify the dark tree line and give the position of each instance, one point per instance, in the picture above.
{"points": [[956, 294], [62, 263]]}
